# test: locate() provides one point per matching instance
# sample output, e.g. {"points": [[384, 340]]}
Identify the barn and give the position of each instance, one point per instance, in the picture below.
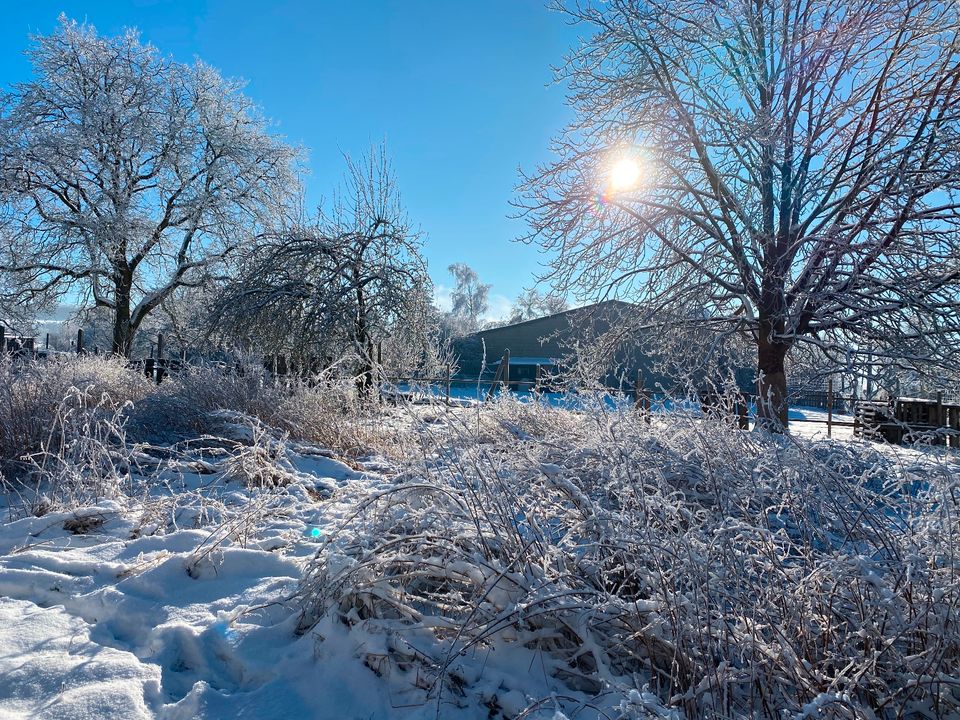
{"points": [[552, 342]]}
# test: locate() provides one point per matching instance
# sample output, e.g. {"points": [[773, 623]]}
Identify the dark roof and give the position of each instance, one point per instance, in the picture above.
{"points": [[582, 310]]}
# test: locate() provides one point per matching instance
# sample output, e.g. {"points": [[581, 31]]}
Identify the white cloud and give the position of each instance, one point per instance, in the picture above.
{"points": [[499, 308], [441, 297]]}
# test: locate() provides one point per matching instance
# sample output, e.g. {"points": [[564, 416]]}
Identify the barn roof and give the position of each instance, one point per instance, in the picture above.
{"points": [[583, 310]]}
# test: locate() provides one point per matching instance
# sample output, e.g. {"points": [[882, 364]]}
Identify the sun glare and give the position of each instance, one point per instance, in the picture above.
{"points": [[625, 174]]}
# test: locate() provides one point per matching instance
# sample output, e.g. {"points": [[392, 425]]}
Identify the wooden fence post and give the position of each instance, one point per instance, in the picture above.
{"points": [[506, 369], [80, 342], [3, 339], [47, 345], [640, 399], [830, 407], [954, 422], [447, 381], [941, 419], [496, 379], [743, 417], [161, 361]]}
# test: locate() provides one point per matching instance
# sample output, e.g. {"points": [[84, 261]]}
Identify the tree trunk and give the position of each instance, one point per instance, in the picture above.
{"points": [[365, 382], [771, 383], [122, 327]]}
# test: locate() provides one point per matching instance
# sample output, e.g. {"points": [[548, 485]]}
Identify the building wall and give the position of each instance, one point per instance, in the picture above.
{"points": [[556, 335]]}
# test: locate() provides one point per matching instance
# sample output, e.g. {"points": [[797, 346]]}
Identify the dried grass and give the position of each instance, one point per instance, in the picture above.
{"points": [[715, 572]]}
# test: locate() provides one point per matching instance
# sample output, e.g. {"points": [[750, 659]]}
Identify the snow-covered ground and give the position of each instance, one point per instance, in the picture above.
{"points": [[176, 606], [246, 575], [182, 603], [812, 423]]}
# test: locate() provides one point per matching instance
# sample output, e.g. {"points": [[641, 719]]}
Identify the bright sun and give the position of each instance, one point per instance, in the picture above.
{"points": [[625, 174]]}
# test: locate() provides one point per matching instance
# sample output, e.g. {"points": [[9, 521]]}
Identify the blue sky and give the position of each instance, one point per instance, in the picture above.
{"points": [[462, 92]]}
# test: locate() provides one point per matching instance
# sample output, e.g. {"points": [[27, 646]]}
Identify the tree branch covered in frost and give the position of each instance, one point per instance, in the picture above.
{"points": [[126, 175], [344, 282], [798, 172]]}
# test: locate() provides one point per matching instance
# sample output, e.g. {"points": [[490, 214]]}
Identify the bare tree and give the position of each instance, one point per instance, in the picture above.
{"points": [[470, 298], [352, 277], [125, 175], [789, 167], [418, 345]]}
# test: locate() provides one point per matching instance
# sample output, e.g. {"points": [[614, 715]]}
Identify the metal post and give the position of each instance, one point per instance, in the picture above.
{"points": [[830, 407]]}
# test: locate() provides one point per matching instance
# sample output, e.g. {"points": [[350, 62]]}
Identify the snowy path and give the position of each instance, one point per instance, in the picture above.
{"points": [[106, 623]]}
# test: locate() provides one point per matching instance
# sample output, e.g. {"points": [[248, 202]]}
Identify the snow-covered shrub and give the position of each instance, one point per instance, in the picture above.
{"points": [[325, 410], [32, 396], [331, 414], [85, 456], [683, 563], [260, 463]]}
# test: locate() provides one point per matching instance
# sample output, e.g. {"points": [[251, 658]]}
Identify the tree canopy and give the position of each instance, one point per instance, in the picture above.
{"points": [[794, 172], [125, 175]]}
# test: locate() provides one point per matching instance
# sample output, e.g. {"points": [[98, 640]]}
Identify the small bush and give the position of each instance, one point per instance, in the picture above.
{"points": [[32, 396], [85, 456], [326, 410], [718, 572]]}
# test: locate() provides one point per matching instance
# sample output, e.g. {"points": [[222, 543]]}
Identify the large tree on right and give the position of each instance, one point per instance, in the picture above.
{"points": [[784, 168]]}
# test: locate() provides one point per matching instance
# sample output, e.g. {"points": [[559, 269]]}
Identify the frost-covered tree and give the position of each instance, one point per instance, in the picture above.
{"points": [[352, 278], [470, 299], [532, 304], [418, 345], [790, 168], [125, 175]]}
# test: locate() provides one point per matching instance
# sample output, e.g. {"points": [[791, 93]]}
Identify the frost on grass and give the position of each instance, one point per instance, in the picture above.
{"points": [[503, 561], [679, 567]]}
